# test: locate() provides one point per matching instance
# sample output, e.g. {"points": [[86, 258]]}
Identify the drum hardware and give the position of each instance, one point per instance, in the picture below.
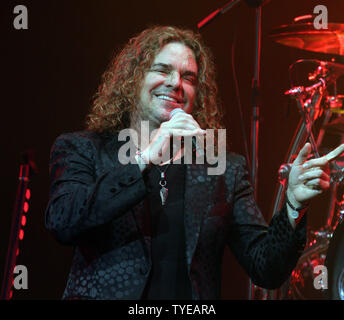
{"points": [[301, 283], [337, 173], [334, 104], [335, 264], [314, 103], [302, 133], [340, 215]]}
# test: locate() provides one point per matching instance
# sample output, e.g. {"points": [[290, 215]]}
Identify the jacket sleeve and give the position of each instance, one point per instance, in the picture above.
{"points": [[80, 199], [267, 253]]}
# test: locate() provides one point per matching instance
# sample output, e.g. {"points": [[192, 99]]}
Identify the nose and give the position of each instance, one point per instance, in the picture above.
{"points": [[174, 79]]}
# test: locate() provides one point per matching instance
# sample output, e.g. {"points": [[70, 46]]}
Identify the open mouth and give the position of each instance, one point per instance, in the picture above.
{"points": [[169, 98]]}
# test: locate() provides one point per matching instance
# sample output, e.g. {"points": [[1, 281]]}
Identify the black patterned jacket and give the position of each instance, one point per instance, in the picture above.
{"points": [[98, 206]]}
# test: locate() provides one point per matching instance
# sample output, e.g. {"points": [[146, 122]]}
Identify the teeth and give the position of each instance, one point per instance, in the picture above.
{"points": [[167, 98]]}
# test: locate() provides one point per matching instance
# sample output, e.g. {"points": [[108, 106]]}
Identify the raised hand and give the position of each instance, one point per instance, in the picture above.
{"points": [[308, 179]]}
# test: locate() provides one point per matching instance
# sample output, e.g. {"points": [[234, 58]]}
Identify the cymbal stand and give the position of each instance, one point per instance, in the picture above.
{"points": [[302, 134], [306, 107]]}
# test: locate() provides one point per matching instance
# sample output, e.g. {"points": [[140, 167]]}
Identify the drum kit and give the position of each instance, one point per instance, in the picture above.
{"points": [[322, 116]]}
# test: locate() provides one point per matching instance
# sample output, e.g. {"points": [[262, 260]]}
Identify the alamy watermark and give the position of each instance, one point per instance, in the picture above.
{"points": [[320, 282], [21, 20], [20, 281], [320, 21], [205, 146]]}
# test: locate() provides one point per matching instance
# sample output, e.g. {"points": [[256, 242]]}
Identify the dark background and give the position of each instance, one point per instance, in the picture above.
{"points": [[50, 72]]}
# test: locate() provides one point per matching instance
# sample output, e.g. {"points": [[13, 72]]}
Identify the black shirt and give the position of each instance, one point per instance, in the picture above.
{"points": [[169, 277]]}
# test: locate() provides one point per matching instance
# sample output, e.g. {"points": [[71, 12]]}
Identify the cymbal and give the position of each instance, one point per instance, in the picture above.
{"points": [[304, 36]]}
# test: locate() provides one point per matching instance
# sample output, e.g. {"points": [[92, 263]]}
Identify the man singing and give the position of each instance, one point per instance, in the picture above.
{"points": [[157, 230]]}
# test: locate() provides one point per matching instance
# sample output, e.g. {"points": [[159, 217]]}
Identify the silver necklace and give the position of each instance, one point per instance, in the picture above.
{"points": [[163, 184]]}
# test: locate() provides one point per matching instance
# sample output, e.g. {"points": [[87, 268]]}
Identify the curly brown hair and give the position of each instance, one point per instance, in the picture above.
{"points": [[117, 95]]}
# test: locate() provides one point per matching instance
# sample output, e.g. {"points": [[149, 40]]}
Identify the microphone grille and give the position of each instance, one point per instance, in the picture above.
{"points": [[175, 111]]}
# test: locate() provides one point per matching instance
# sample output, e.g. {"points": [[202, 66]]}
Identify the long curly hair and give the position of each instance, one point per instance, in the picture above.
{"points": [[117, 95]]}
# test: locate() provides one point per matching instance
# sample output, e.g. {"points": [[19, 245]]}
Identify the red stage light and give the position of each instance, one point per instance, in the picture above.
{"points": [[23, 220], [21, 234], [17, 253], [28, 194], [26, 207]]}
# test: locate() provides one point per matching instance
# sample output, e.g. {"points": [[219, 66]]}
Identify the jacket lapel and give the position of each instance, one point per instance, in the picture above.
{"points": [[196, 205], [141, 210]]}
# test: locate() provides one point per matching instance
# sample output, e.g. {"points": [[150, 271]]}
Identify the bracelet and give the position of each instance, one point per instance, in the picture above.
{"points": [[296, 211]]}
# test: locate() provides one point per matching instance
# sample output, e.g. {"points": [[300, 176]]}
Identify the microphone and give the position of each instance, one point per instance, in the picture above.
{"points": [[284, 170], [174, 112], [194, 143]]}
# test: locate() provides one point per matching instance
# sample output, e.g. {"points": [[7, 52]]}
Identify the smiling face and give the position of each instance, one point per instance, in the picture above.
{"points": [[170, 83]]}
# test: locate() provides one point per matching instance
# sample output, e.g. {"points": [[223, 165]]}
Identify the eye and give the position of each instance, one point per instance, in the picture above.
{"points": [[162, 71], [190, 79]]}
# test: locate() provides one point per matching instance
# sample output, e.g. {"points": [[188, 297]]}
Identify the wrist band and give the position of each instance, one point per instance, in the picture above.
{"points": [[297, 213]]}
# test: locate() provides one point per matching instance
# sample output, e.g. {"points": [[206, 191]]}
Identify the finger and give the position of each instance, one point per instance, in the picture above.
{"points": [[184, 121], [323, 161], [303, 154], [335, 153], [313, 174], [185, 126], [181, 116], [318, 184], [318, 162], [309, 193], [186, 133]]}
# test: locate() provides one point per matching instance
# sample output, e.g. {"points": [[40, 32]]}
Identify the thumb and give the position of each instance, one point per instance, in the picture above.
{"points": [[303, 154]]}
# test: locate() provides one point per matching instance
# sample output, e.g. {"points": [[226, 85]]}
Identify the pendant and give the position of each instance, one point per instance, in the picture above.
{"points": [[163, 195]]}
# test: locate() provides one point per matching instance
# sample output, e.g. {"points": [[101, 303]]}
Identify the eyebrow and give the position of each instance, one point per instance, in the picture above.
{"points": [[169, 67]]}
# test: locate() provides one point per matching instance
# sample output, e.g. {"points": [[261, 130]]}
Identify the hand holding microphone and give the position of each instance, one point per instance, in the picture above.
{"points": [[180, 124], [174, 112]]}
